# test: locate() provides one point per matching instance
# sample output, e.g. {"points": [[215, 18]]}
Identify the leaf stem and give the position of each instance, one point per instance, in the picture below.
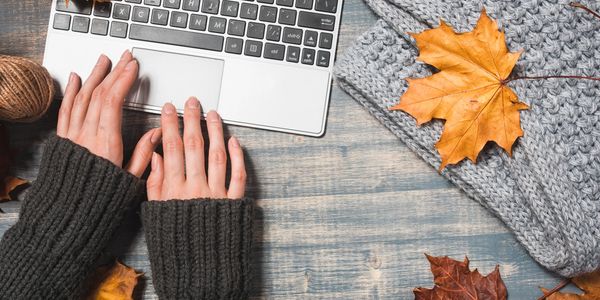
{"points": [[550, 77], [579, 5], [555, 289]]}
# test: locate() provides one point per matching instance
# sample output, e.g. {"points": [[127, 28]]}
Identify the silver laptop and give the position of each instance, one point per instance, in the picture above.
{"points": [[264, 64]]}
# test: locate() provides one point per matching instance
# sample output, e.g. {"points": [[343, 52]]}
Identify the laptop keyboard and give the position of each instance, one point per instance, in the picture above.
{"points": [[294, 31]]}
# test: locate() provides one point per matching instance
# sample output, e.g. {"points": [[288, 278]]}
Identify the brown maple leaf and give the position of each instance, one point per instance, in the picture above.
{"points": [[112, 282], [454, 280], [589, 283], [7, 183], [469, 91]]}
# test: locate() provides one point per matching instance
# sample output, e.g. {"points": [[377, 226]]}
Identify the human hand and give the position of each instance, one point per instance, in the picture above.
{"points": [[90, 114], [181, 174]]}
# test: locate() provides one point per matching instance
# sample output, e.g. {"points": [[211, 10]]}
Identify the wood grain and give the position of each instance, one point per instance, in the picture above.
{"points": [[345, 216]]}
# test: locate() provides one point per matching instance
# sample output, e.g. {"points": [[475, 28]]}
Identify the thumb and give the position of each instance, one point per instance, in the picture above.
{"points": [[142, 154]]}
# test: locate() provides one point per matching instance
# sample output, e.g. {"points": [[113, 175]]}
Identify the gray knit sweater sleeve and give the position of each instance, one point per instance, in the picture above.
{"points": [[68, 217], [199, 249]]}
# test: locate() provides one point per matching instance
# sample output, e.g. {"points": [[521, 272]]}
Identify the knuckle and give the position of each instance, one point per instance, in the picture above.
{"points": [[98, 92], [112, 100], [239, 176], [171, 144], [193, 143], [218, 156]]}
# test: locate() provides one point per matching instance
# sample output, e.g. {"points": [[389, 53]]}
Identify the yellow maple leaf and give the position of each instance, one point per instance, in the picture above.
{"points": [[469, 91], [115, 282], [589, 283]]}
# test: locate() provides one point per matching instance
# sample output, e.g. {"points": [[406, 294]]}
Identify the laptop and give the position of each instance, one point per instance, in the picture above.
{"points": [[264, 64]]}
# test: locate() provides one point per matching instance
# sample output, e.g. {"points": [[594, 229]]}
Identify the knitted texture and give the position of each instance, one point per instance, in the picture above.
{"points": [[548, 193], [199, 249], [68, 217]]}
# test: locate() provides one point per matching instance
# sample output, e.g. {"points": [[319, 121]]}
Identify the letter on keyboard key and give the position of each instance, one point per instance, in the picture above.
{"points": [[191, 5], [249, 11], [210, 6], [79, 7], [179, 19], [140, 14], [316, 21], [152, 2], [102, 9], [159, 16], [198, 22], [229, 8], [121, 11], [329, 6], [172, 4], [274, 51], [216, 24], [176, 37]]}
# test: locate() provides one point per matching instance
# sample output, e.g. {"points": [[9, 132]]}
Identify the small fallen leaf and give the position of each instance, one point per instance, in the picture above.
{"points": [[454, 280], [112, 282], [469, 91], [589, 283], [7, 183]]}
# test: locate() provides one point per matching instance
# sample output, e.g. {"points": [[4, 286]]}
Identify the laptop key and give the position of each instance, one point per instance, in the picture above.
{"points": [[216, 24], [173, 4], [307, 4], [285, 2], [210, 6], [316, 20], [329, 6], [249, 11], [292, 35], [323, 59], [310, 38], [198, 22], [140, 14], [256, 30], [99, 27], [152, 2], [121, 11], [102, 9], [236, 27], [308, 56], [325, 40], [273, 33], [159, 16], [287, 16], [179, 19], [61, 22], [81, 24], [229, 8], [274, 51], [253, 48], [130, 1], [118, 29], [83, 7], [293, 54], [234, 45], [176, 37], [191, 5], [266, 1], [268, 14]]}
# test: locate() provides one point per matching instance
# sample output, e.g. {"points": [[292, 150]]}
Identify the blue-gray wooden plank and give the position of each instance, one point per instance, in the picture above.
{"points": [[345, 216]]}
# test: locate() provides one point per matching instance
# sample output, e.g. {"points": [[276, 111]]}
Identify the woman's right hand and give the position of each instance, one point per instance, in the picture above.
{"points": [[181, 174]]}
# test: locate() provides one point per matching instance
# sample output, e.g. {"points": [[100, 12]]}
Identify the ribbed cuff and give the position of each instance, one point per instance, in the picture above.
{"points": [[199, 249], [68, 217]]}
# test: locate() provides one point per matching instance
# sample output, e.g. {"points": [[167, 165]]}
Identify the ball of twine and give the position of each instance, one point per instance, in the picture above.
{"points": [[26, 89]]}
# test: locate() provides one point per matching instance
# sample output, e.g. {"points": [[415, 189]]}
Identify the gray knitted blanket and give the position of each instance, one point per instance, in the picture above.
{"points": [[548, 193]]}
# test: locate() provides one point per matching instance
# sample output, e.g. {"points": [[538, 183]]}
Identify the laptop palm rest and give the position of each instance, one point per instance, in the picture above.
{"points": [[170, 77]]}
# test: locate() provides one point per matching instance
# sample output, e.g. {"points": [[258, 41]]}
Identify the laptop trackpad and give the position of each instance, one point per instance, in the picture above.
{"points": [[170, 77]]}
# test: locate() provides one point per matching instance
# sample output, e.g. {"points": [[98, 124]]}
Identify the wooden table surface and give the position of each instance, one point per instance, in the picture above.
{"points": [[345, 216]]}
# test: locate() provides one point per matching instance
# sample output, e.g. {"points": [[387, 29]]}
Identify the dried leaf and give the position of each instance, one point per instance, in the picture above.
{"points": [[454, 280], [114, 282], [7, 183], [588, 283], [469, 91]]}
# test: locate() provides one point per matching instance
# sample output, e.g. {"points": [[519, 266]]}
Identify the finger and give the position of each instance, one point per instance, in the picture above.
{"points": [[142, 154], [172, 146], [99, 94], [237, 185], [64, 114], [193, 143], [82, 100], [217, 157], [112, 106], [155, 179]]}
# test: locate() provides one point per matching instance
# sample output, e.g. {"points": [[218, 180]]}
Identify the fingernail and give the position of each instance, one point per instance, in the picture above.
{"points": [[193, 103], [168, 109], [101, 59], [153, 163], [156, 135], [124, 54], [131, 65], [234, 142], [213, 116], [72, 77]]}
